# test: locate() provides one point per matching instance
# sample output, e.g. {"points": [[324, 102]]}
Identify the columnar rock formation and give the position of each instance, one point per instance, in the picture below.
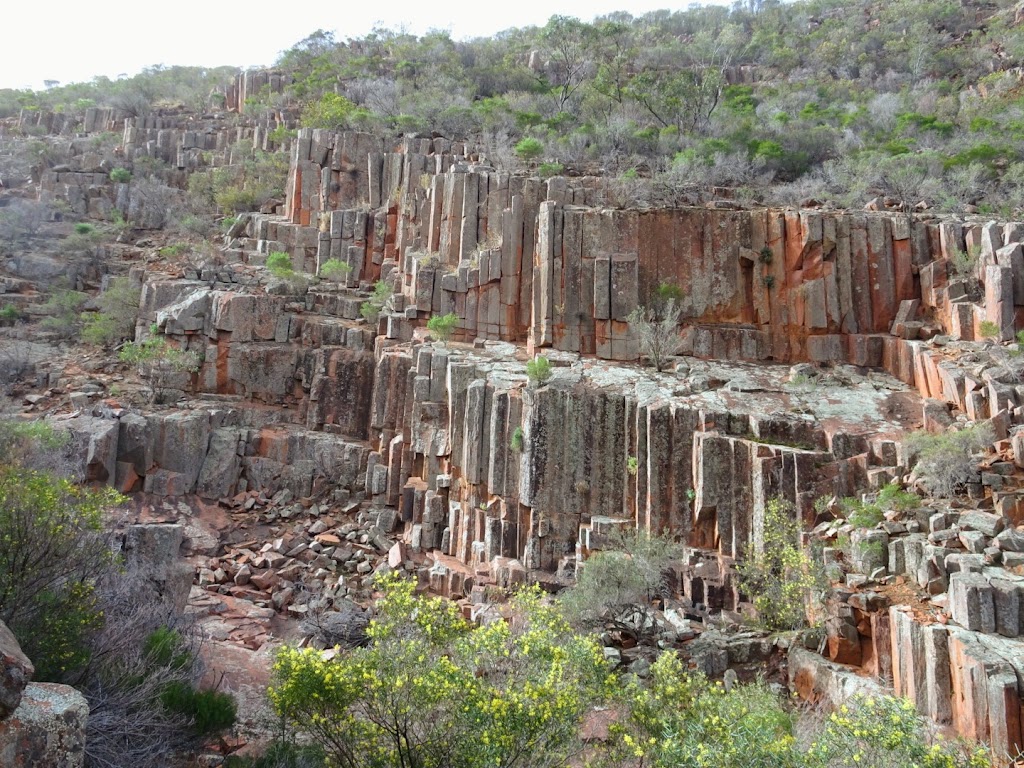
{"points": [[496, 477]]}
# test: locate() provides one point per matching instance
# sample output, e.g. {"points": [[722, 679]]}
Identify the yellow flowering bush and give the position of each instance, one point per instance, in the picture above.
{"points": [[779, 577], [431, 691], [683, 720], [881, 731]]}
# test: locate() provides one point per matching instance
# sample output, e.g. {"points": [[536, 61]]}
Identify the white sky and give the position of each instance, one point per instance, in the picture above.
{"points": [[76, 40]]}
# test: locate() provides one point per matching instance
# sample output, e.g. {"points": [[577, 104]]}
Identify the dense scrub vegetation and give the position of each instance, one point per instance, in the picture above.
{"points": [[75, 607], [917, 101], [430, 690], [782, 102]]}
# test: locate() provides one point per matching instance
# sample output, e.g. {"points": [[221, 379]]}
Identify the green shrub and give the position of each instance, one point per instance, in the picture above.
{"points": [[209, 711], [683, 720], [431, 690], [443, 326], [280, 264], [547, 170], [617, 586], [120, 176], [780, 578], [988, 329], [54, 549], [538, 370], [516, 443], [335, 270], [9, 315], [529, 148], [62, 310], [667, 291], [84, 228], [379, 299], [118, 311], [632, 465]]}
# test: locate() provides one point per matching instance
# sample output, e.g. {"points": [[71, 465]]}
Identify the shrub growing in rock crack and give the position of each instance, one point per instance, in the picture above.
{"points": [[948, 461], [779, 578], [657, 332]]}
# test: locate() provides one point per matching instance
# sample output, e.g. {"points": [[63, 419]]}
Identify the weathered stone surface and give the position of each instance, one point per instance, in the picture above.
{"points": [[15, 672], [47, 729], [971, 603]]}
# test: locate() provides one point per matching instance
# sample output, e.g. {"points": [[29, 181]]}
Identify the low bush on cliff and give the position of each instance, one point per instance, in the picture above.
{"points": [[118, 311], [380, 300], [780, 578], [617, 587], [657, 331], [442, 327], [948, 461], [430, 690], [538, 370]]}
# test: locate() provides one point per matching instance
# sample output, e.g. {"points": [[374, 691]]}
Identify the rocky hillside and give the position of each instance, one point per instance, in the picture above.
{"points": [[412, 357]]}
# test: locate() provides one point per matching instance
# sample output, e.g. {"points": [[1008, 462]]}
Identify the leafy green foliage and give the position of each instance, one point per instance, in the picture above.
{"points": [[9, 315], [120, 175], [431, 691], [379, 300], [529, 148], [62, 310], [443, 326], [250, 181], [682, 720], [280, 264], [118, 310], [988, 329], [209, 711], [538, 370], [516, 442], [869, 514], [778, 576], [335, 270], [52, 548]]}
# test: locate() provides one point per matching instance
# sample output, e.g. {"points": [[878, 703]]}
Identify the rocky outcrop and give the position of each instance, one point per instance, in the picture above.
{"points": [[47, 729], [15, 672]]}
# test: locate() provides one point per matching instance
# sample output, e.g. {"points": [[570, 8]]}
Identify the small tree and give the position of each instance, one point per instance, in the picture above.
{"points": [[280, 265], [538, 370], [54, 548], [443, 326], [776, 573], [529, 149], [616, 587], [658, 336], [379, 301], [430, 690]]}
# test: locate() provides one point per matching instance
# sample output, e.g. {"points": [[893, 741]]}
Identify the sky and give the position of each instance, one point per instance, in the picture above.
{"points": [[74, 41]]}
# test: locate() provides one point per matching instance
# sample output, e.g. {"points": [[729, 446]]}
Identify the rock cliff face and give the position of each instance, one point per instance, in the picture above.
{"points": [[499, 479]]}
